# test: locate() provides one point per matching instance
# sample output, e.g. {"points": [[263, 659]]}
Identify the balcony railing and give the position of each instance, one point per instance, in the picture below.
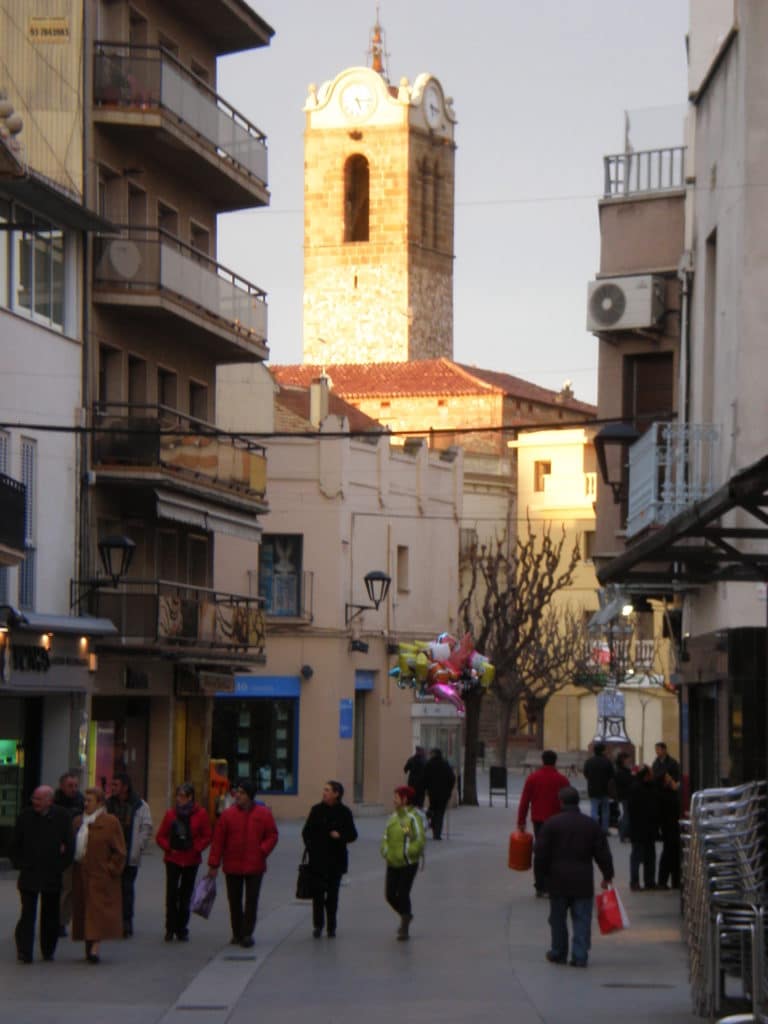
{"points": [[670, 467], [650, 170], [142, 78], [166, 614], [11, 518], [148, 258], [156, 435]]}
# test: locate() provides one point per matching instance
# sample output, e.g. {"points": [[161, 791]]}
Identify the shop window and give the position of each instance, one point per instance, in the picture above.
{"points": [[280, 573], [541, 469], [356, 199], [258, 739]]}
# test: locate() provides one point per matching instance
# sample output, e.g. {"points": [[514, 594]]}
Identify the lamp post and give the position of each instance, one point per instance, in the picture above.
{"points": [[377, 587], [620, 435], [614, 623], [116, 553]]}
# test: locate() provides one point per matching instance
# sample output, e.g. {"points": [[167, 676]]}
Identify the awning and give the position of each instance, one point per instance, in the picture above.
{"points": [[60, 207], [183, 509], [77, 625], [695, 548]]}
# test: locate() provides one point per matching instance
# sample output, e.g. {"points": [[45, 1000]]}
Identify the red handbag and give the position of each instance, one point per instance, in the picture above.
{"points": [[611, 915]]}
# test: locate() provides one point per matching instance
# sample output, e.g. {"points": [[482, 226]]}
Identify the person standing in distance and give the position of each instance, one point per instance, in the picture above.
{"points": [[42, 847], [566, 847], [414, 769], [439, 780], [598, 771], [328, 830], [541, 793], [244, 837]]}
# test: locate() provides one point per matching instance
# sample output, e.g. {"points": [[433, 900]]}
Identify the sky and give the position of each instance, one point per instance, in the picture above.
{"points": [[540, 89]]}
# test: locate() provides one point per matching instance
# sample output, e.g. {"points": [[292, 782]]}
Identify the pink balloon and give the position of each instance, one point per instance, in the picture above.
{"points": [[445, 692]]}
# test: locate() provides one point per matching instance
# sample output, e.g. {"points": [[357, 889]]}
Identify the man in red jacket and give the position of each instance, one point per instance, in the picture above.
{"points": [[244, 837], [541, 793]]}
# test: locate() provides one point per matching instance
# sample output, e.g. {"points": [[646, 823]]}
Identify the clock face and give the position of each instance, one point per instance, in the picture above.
{"points": [[357, 100], [433, 105]]}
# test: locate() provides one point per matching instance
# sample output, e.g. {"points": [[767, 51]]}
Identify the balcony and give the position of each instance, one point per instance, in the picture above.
{"points": [[645, 172], [165, 109], [175, 618], [11, 521], [150, 273], [672, 466], [186, 452]]}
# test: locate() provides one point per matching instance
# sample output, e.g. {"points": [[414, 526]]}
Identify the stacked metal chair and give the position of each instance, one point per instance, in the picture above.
{"points": [[724, 872]]}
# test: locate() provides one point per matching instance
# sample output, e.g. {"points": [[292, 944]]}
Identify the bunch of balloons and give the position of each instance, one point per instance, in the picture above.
{"points": [[444, 668]]}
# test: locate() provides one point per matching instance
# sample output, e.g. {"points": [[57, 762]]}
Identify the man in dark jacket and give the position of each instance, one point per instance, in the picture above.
{"points": [[643, 828], [69, 797], [414, 767], [439, 780], [41, 848], [666, 773], [598, 771], [565, 848]]}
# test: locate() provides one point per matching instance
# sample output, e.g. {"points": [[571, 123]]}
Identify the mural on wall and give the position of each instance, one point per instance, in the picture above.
{"points": [[442, 669]]}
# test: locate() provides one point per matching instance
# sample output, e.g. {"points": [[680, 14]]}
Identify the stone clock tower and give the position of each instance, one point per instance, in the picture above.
{"points": [[378, 218]]}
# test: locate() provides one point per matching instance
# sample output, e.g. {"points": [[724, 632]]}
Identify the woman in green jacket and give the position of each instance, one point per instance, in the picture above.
{"points": [[401, 847]]}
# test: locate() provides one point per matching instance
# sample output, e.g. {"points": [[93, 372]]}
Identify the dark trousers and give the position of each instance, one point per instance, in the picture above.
{"points": [[243, 917], [397, 888], [580, 908], [179, 883], [49, 923], [325, 901], [436, 815], [539, 882], [643, 853], [128, 883], [669, 862]]}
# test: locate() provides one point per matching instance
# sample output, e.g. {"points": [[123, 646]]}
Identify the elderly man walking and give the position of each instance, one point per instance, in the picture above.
{"points": [[566, 847], [41, 848]]}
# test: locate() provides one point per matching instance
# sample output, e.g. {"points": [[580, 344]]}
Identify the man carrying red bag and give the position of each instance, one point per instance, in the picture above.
{"points": [[541, 793], [566, 846]]}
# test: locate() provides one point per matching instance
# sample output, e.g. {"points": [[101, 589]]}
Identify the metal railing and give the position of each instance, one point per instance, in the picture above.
{"points": [[670, 467], [650, 170], [142, 78], [164, 613], [11, 513], [157, 435], [150, 258]]}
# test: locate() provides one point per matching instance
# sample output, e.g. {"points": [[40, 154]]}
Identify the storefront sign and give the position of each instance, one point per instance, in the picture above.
{"points": [[264, 686], [346, 719], [48, 30], [30, 659]]}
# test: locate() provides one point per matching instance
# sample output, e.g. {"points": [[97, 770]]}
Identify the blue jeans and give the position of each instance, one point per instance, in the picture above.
{"points": [[600, 809], [581, 921]]}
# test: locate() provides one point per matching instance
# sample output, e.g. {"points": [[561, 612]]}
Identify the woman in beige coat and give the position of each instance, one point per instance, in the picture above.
{"points": [[97, 911]]}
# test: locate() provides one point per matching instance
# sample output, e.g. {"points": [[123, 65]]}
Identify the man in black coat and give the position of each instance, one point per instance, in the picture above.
{"points": [[439, 780], [326, 833], [643, 828], [41, 848], [69, 797], [601, 785], [666, 772], [414, 767], [566, 846]]}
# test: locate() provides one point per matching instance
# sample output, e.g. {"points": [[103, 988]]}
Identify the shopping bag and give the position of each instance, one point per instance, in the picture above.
{"points": [[520, 853], [611, 915], [203, 896], [304, 879]]}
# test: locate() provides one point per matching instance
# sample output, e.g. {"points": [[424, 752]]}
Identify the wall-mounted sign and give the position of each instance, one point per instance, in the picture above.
{"points": [[48, 30], [346, 717]]}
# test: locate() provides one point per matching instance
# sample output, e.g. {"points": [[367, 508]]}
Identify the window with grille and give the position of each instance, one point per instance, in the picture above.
{"points": [[27, 567]]}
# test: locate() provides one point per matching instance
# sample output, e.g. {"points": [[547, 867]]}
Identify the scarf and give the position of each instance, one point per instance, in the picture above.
{"points": [[81, 840]]}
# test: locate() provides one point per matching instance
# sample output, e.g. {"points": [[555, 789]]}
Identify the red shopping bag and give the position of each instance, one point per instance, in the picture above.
{"points": [[611, 915]]}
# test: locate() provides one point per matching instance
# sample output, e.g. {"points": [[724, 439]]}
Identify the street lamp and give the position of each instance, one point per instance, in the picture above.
{"points": [[377, 587], [614, 623], [116, 553], [621, 435]]}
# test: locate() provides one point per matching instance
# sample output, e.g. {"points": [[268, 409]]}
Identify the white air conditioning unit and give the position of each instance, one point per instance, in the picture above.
{"points": [[625, 303]]}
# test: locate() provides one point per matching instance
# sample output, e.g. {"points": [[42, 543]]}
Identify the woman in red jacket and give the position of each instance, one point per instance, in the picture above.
{"points": [[244, 837], [184, 833]]}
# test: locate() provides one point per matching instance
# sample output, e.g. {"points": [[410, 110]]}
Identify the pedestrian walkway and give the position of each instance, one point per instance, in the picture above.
{"points": [[476, 954]]}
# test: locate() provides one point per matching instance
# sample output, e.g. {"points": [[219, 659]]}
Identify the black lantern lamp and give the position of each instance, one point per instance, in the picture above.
{"points": [[622, 435], [377, 587], [116, 554]]}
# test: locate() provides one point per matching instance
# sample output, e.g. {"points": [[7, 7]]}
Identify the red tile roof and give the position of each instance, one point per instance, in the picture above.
{"points": [[424, 377], [292, 411]]}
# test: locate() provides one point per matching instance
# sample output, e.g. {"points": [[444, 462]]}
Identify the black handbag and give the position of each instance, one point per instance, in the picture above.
{"points": [[304, 879]]}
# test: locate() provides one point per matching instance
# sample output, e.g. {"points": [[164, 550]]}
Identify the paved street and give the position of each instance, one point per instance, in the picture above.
{"points": [[477, 952]]}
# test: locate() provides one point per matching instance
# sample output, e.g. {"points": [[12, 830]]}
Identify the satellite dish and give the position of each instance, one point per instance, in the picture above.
{"points": [[125, 258], [607, 304]]}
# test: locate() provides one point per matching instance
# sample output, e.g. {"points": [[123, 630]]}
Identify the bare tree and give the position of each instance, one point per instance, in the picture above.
{"points": [[536, 647]]}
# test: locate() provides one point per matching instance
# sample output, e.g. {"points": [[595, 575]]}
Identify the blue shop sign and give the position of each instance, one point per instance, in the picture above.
{"points": [[265, 686], [345, 718]]}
